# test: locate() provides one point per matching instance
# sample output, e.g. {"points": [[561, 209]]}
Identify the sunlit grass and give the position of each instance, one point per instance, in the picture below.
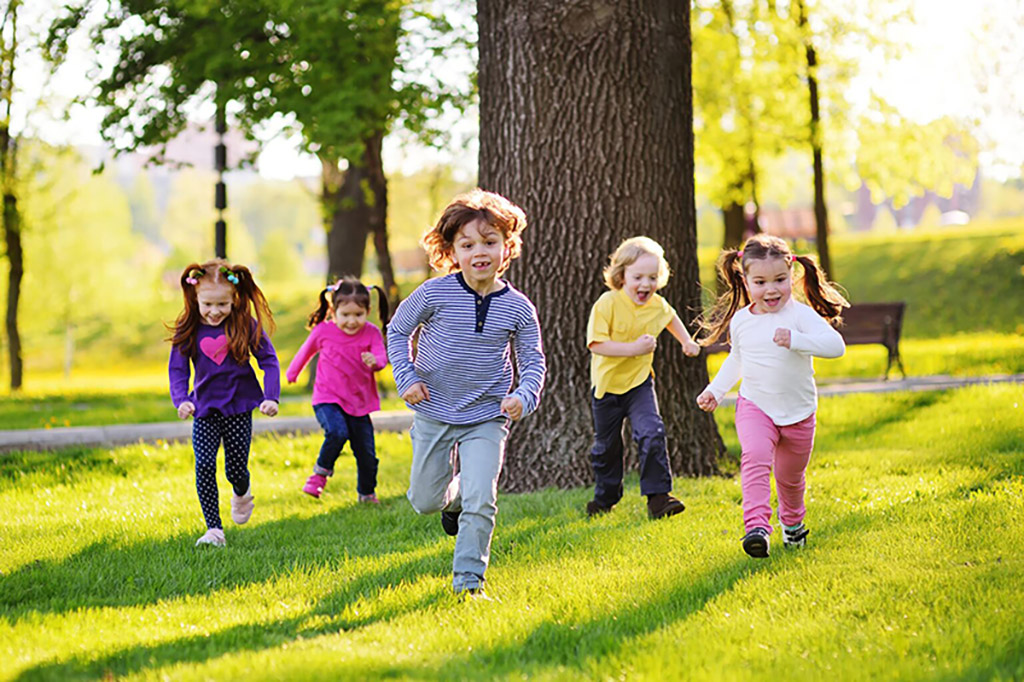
{"points": [[914, 568]]}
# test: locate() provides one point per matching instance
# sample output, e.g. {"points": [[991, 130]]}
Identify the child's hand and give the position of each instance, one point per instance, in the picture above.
{"points": [[513, 407], [186, 410], [416, 393], [706, 401], [369, 359], [646, 344], [782, 337], [269, 408], [691, 349]]}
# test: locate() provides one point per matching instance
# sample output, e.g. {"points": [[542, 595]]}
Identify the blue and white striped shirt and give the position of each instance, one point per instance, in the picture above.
{"points": [[463, 352]]}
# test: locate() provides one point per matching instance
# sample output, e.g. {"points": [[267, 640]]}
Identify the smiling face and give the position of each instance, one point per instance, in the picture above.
{"points": [[215, 299], [769, 284], [640, 278], [350, 317], [479, 252]]}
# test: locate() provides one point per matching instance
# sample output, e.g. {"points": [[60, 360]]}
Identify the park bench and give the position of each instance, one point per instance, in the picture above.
{"points": [[865, 323]]}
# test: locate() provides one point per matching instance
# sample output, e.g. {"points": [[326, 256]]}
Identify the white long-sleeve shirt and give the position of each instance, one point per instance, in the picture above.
{"points": [[780, 381]]}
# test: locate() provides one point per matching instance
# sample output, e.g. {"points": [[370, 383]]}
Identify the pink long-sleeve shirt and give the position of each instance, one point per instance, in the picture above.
{"points": [[342, 377]]}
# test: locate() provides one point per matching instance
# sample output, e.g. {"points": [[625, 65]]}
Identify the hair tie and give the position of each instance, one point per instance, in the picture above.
{"points": [[229, 275], [333, 287], [739, 253], [193, 276], [192, 280]]}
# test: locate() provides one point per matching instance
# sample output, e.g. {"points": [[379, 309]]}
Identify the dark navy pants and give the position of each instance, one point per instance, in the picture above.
{"points": [[641, 406], [339, 427], [207, 433]]}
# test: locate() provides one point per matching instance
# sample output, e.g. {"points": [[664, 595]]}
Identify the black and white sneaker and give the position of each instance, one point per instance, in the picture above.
{"points": [[795, 536], [450, 522], [755, 543]]}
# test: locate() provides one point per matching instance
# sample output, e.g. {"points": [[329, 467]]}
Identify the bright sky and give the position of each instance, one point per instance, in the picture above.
{"points": [[954, 47]]}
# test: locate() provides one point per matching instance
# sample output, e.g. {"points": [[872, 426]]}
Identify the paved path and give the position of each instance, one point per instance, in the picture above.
{"points": [[397, 420]]}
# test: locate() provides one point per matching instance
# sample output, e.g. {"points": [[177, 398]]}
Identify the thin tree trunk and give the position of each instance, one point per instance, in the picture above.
{"points": [[817, 143], [8, 182], [735, 225], [347, 217], [586, 121], [379, 216]]}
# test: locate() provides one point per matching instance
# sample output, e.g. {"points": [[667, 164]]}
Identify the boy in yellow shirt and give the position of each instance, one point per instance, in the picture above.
{"points": [[622, 335]]}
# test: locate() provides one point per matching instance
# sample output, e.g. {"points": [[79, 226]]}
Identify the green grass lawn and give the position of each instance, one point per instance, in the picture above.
{"points": [[914, 567]]}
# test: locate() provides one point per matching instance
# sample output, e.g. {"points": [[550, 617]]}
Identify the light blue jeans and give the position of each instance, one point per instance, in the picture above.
{"points": [[478, 451]]}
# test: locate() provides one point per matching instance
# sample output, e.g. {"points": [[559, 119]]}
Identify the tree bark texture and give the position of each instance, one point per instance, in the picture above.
{"points": [[586, 122]]}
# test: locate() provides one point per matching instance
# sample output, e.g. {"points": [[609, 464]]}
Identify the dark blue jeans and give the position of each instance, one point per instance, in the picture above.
{"points": [[641, 406], [340, 427]]}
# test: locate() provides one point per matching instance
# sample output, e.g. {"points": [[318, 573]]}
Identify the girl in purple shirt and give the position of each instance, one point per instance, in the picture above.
{"points": [[225, 320], [345, 390]]}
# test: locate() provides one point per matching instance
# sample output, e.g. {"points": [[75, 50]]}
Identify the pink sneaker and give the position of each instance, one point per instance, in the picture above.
{"points": [[241, 506], [315, 485], [213, 537], [369, 499]]}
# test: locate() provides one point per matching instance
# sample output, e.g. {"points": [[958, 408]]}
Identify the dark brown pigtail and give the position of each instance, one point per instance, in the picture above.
{"points": [[320, 314], [730, 274], [383, 311], [822, 295]]}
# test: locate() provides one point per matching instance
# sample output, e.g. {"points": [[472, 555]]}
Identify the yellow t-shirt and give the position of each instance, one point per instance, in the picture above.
{"points": [[615, 317]]}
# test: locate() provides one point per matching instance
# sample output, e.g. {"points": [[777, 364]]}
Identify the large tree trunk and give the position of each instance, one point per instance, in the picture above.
{"points": [[586, 122], [817, 142]]}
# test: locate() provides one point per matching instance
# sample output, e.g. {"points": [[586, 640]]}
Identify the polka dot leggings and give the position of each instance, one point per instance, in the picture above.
{"points": [[207, 433]]}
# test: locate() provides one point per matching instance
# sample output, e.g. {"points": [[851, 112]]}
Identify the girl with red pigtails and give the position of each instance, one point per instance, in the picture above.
{"points": [[226, 320]]}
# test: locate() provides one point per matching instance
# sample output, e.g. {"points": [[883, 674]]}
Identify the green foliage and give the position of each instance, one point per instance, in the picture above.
{"points": [[912, 572], [900, 159], [324, 64]]}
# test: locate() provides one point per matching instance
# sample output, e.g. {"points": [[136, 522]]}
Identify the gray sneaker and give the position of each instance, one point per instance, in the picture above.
{"points": [[795, 536]]}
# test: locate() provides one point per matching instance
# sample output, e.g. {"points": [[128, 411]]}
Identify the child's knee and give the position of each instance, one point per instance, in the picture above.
{"points": [[425, 502]]}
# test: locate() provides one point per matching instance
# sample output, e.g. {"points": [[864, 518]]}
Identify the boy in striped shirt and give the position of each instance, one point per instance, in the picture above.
{"points": [[457, 376]]}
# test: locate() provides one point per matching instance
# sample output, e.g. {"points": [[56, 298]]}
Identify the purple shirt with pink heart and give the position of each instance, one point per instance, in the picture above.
{"points": [[222, 384]]}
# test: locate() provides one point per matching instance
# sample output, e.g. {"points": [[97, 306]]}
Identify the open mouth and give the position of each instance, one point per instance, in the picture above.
{"points": [[643, 296], [772, 302], [482, 265]]}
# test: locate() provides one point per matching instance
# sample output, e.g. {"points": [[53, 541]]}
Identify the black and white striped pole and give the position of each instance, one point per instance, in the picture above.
{"points": [[220, 158]]}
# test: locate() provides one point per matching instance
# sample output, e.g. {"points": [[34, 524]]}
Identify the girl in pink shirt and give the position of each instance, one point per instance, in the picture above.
{"points": [[345, 391]]}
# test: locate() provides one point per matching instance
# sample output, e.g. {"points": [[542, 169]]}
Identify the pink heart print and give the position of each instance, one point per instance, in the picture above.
{"points": [[215, 347]]}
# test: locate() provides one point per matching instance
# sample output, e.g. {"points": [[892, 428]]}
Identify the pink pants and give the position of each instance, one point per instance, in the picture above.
{"points": [[765, 446]]}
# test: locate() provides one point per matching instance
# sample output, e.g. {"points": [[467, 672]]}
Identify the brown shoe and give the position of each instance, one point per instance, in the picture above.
{"points": [[661, 505], [594, 508]]}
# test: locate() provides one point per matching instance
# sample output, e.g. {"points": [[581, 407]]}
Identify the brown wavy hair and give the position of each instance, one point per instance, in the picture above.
{"points": [[250, 314], [501, 214], [821, 294], [349, 290]]}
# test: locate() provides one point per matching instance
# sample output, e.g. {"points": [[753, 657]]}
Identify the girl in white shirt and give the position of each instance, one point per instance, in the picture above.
{"points": [[773, 339]]}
